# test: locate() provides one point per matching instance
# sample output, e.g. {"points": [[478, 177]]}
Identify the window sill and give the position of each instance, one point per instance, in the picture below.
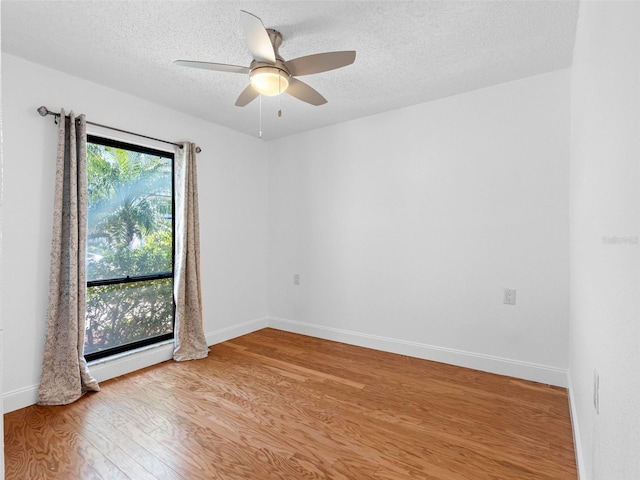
{"points": [[126, 362]]}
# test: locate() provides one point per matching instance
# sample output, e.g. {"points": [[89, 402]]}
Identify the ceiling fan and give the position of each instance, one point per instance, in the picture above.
{"points": [[269, 73]]}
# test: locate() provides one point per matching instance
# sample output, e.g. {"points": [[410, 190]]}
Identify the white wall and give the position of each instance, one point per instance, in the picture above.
{"points": [[1, 288], [605, 206], [232, 176], [406, 227]]}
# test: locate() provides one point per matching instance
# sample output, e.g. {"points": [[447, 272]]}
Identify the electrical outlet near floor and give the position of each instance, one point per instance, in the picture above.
{"points": [[509, 296]]}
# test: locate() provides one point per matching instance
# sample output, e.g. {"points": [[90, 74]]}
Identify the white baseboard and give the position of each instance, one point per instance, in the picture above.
{"points": [[485, 363], [577, 442], [19, 398], [129, 362], [235, 331], [132, 361]]}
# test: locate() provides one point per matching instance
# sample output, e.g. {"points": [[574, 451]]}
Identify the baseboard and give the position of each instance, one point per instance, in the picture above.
{"points": [[127, 363], [485, 363], [577, 443], [235, 331], [118, 365], [19, 398]]}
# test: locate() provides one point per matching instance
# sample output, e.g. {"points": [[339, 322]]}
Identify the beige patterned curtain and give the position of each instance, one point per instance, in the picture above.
{"points": [[190, 342], [65, 376]]}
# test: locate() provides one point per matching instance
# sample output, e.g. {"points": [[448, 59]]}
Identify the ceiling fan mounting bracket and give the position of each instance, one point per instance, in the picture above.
{"points": [[276, 40]]}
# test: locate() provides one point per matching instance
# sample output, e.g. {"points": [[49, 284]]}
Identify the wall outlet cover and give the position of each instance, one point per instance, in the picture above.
{"points": [[509, 296]]}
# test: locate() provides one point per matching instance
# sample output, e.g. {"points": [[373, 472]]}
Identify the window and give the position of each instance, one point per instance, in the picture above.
{"points": [[130, 245]]}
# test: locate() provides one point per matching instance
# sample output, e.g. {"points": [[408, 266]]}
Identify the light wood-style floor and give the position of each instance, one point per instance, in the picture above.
{"points": [[275, 405]]}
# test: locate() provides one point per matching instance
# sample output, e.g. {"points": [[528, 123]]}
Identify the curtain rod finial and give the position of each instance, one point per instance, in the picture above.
{"points": [[43, 111]]}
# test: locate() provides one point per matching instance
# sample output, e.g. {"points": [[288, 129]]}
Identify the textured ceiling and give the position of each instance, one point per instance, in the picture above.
{"points": [[407, 52]]}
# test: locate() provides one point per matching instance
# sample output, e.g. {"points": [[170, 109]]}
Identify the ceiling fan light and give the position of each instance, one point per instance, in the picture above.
{"points": [[269, 81]]}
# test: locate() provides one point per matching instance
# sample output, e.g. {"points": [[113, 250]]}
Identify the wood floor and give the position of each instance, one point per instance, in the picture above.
{"points": [[275, 405]]}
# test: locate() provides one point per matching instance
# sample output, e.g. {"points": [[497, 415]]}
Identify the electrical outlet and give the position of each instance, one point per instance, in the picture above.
{"points": [[596, 391], [509, 296], [296, 279]]}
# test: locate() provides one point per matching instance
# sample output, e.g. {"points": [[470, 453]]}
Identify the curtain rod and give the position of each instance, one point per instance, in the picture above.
{"points": [[44, 111]]}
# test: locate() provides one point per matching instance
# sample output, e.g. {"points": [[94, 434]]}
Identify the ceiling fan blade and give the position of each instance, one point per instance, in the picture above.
{"points": [[304, 92], [220, 67], [320, 62], [247, 96], [257, 38]]}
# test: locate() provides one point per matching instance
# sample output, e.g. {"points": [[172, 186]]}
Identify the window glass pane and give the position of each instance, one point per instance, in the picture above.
{"points": [[129, 247], [127, 312], [129, 213]]}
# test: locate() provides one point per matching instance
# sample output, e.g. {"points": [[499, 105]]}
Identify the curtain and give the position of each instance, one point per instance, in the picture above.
{"points": [[189, 339], [65, 375]]}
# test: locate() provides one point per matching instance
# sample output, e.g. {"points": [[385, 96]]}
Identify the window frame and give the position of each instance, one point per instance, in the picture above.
{"points": [[100, 354]]}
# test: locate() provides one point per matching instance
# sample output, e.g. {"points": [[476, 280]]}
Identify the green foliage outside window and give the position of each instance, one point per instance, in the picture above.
{"points": [[129, 234]]}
